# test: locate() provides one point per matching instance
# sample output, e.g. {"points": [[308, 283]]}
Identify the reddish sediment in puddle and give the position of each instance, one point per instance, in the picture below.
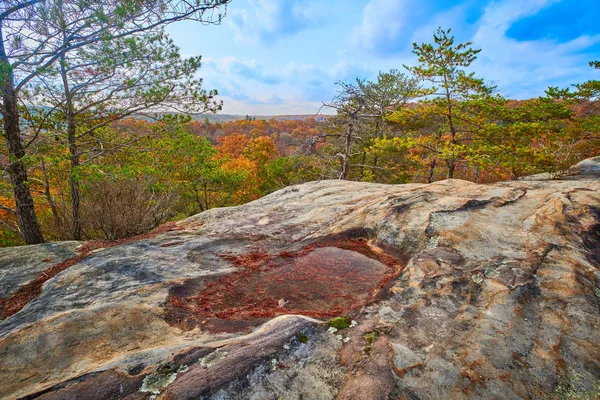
{"points": [[323, 280], [13, 304]]}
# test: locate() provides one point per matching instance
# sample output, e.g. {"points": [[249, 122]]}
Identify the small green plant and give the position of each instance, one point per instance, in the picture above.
{"points": [[370, 337], [340, 322], [303, 339]]}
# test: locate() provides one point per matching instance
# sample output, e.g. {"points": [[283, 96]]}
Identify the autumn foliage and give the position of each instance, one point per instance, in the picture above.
{"points": [[439, 121]]}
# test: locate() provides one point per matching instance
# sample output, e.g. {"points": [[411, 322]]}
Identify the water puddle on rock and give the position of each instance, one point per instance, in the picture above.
{"points": [[322, 281]]}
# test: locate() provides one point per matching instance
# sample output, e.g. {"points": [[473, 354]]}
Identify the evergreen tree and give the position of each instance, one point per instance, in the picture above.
{"points": [[443, 64]]}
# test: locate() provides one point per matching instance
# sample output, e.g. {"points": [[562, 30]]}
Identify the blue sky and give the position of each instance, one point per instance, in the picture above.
{"points": [[284, 56]]}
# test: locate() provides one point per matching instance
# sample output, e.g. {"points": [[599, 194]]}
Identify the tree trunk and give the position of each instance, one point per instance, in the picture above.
{"points": [[206, 199], [431, 171], [73, 155], [17, 171], [451, 167], [375, 160], [199, 201], [75, 190], [346, 163], [451, 162], [362, 165], [477, 172], [57, 219]]}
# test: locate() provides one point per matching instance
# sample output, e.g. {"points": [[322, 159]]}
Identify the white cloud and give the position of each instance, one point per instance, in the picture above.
{"points": [[523, 69], [270, 20], [382, 41], [247, 82], [382, 24]]}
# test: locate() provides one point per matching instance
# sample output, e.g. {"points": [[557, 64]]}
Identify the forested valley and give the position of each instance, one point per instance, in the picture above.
{"points": [[105, 136]]}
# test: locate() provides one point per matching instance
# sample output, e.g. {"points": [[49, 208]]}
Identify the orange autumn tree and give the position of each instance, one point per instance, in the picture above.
{"points": [[249, 156], [230, 149], [232, 145], [261, 150]]}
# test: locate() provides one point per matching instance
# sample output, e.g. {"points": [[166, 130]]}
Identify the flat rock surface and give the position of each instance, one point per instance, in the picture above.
{"points": [[455, 290], [19, 266]]}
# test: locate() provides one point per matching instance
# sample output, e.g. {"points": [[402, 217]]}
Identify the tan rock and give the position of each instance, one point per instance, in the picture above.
{"points": [[485, 291]]}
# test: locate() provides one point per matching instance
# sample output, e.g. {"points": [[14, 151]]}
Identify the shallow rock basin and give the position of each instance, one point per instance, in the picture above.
{"points": [[321, 281]]}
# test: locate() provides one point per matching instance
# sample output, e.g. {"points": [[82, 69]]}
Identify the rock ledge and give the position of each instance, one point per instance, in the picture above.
{"points": [[457, 290]]}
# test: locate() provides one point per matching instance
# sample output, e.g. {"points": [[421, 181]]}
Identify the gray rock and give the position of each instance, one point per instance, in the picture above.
{"points": [[490, 292], [19, 266]]}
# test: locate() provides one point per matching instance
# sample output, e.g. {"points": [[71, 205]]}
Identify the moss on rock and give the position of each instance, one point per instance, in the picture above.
{"points": [[303, 339], [340, 322]]}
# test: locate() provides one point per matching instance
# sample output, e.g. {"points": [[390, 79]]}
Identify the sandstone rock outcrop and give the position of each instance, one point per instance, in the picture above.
{"points": [[457, 290]]}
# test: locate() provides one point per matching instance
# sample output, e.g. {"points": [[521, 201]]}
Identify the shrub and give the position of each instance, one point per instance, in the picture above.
{"points": [[119, 208]]}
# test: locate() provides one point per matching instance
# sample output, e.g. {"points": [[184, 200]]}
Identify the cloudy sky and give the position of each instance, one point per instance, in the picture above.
{"points": [[284, 56]]}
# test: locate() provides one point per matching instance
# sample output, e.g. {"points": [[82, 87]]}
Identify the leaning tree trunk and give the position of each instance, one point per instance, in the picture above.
{"points": [[17, 170]]}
